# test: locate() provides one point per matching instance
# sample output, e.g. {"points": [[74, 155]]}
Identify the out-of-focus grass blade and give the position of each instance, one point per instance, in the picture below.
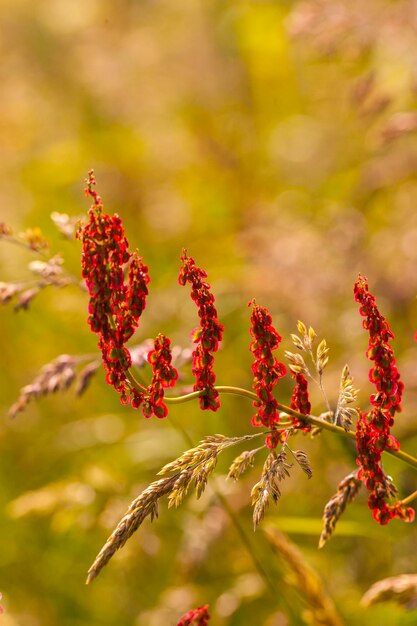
{"points": [[314, 525]]}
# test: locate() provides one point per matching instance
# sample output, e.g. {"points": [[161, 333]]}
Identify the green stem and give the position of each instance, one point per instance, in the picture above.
{"points": [[309, 419], [136, 384], [409, 498], [237, 391]]}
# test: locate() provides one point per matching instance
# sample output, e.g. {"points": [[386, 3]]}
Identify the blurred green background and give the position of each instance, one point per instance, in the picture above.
{"points": [[276, 140]]}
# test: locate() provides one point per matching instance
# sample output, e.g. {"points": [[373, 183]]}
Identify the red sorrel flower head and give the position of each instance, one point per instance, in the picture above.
{"points": [[300, 400], [266, 369], [115, 304], [207, 336], [164, 375], [373, 428], [196, 617]]}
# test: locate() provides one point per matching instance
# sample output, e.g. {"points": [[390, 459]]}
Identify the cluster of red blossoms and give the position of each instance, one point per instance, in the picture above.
{"points": [[117, 282], [373, 428], [267, 370], [116, 305], [300, 400], [198, 617], [163, 375], [208, 336]]}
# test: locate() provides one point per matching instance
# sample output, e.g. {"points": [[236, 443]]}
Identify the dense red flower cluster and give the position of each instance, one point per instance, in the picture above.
{"points": [[198, 617], [115, 304], [267, 370], [208, 336], [300, 401], [163, 375], [373, 428]]}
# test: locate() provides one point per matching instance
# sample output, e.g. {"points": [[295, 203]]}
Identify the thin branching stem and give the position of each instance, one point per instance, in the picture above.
{"points": [[410, 498], [308, 419], [135, 383], [237, 391]]}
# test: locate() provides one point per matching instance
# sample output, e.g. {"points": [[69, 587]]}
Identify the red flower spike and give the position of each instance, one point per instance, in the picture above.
{"points": [[373, 428], [300, 400], [196, 617], [163, 375], [208, 336], [267, 370], [115, 306]]}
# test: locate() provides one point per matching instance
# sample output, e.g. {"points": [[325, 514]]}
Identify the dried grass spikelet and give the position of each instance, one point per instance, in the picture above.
{"points": [[206, 449], [8, 291], [307, 337], [401, 589], [146, 505], [180, 488], [55, 376], [320, 610], [64, 371], [305, 343], [297, 363], [48, 273], [322, 356], [34, 239], [302, 460], [58, 375], [194, 465], [275, 469], [85, 376], [242, 462], [65, 224], [346, 492], [347, 395], [20, 292]]}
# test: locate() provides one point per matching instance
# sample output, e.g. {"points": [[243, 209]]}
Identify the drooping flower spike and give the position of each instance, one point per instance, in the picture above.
{"points": [[208, 336], [115, 304], [373, 428], [266, 369], [164, 375], [300, 399]]}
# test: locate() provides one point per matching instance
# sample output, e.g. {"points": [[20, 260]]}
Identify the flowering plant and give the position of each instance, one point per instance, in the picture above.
{"points": [[117, 283]]}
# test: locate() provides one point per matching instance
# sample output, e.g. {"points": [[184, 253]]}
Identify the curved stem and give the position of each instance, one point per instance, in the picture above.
{"points": [[409, 498], [237, 391], [308, 419], [136, 384]]}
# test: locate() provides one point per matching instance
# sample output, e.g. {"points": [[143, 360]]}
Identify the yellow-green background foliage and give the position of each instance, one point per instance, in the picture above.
{"points": [[276, 141]]}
